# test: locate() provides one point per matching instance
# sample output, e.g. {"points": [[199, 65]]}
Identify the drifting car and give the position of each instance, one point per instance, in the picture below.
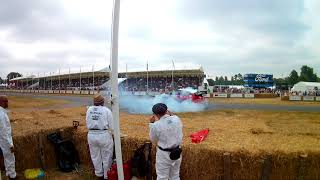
{"points": [[190, 94]]}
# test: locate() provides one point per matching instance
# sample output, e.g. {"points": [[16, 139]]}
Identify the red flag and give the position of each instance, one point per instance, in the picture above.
{"points": [[199, 136]]}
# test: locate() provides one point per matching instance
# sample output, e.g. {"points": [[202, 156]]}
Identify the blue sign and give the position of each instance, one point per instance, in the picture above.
{"points": [[258, 80]]}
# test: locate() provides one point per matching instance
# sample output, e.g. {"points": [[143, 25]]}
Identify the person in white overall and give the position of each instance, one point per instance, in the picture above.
{"points": [[6, 143], [166, 131], [100, 125]]}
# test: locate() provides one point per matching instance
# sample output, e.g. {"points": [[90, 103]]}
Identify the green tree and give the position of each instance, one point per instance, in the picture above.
{"points": [[217, 79], [307, 74], [221, 80], [226, 79], [1, 80], [236, 77], [12, 75], [293, 77], [210, 82]]}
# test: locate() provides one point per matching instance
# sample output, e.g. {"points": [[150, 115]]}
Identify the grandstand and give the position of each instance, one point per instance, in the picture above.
{"points": [[135, 81]]}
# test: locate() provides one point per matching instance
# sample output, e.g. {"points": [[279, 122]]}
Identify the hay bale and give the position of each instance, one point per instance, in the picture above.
{"points": [[284, 98], [266, 95], [198, 160], [28, 151]]}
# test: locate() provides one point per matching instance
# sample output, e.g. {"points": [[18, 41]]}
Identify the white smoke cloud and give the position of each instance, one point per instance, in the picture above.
{"points": [[143, 104]]}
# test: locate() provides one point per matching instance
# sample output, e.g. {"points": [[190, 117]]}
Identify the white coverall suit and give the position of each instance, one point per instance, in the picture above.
{"points": [[6, 143], [168, 132], [99, 121]]}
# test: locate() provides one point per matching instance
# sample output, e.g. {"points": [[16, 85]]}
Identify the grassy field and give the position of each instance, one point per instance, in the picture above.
{"points": [[230, 130], [16, 102], [274, 101]]}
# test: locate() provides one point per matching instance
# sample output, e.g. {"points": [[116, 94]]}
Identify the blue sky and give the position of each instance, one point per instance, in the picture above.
{"points": [[224, 37]]}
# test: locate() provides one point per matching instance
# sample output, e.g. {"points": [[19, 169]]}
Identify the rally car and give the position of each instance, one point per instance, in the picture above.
{"points": [[190, 94]]}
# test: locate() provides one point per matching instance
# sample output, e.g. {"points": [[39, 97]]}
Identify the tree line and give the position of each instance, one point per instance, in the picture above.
{"points": [[306, 74], [237, 79], [11, 75]]}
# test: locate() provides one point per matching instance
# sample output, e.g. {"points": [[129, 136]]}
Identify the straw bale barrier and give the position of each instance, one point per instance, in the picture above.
{"points": [[199, 162], [285, 98], [28, 150], [266, 95]]}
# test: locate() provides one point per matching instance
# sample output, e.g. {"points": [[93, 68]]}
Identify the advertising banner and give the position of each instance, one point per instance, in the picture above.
{"points": [[221, 95], [236, 95], [249, 95], [295, 98], [308, 98]]}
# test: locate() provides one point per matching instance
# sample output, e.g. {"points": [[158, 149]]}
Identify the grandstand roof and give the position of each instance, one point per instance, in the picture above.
{"points": [[106, 71]]}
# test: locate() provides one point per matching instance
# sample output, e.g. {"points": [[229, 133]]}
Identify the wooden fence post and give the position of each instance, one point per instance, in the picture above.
{"points": [[266, 168], [226, 166]]}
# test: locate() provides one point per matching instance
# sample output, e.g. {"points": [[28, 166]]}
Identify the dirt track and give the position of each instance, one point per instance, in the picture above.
{"points": [[76, 101]]}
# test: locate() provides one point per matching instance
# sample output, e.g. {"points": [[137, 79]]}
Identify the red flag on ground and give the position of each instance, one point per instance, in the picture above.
{"points": [[199, 136]]}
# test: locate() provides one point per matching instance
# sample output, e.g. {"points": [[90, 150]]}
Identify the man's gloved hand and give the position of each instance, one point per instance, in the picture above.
{"points": [[12, 149], [169, 113], [152, 119]]}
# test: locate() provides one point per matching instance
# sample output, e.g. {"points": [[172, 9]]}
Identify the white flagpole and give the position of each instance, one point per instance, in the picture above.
{"points": [[172, 73], [59, 81], [93, 78], [32, 80], [127, 77], [114, 86], [51, 82], [45, 79], [80, 80], [69, 79], [147, 77], [38, 81]]}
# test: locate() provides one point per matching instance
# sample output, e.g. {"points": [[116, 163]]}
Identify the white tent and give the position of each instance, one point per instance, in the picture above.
{"points": [[305, 86]]}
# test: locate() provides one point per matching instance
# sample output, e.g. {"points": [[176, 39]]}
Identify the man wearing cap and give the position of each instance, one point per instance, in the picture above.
{"points": [[100, 126], [6, 143], [166, 131]]}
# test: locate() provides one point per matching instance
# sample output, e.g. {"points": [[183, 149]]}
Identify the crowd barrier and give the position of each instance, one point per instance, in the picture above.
{"points": [[220, 95], [304, 98], [249, 95], [236, 95]]}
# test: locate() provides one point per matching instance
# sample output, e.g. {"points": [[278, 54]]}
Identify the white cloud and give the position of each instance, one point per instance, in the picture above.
{"points": [[225, 37]]}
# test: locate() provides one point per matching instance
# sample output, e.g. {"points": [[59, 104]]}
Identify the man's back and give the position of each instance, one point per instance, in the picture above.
{"points": [[169, 131], [99, 117]]}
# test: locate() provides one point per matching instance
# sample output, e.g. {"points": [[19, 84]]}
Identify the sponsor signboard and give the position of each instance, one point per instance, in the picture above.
{"points": [[295, 98], [76, 92], [236, 95], [308, 98], [84, 92], [318, 98], [249, 95], [50, 91], [258, 80], [221, 95], [69, 92]]}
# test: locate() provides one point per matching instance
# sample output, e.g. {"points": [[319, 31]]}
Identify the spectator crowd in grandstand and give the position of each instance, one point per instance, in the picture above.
{"points": [[155, 84]]}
